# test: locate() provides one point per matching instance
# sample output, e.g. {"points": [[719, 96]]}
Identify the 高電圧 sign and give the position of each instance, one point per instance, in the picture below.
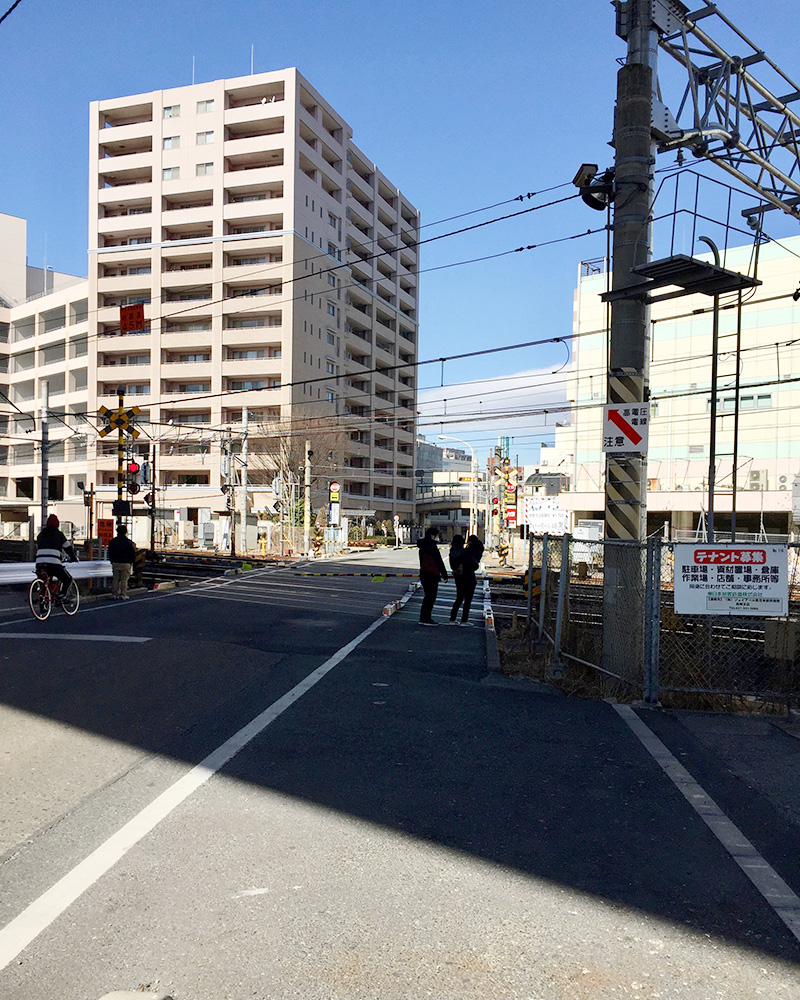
{"points": [[727, 579], [625, 427]]}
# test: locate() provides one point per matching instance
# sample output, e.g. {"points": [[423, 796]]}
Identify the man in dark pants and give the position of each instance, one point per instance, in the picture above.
{"points": [[121, 555], [431, 570]]}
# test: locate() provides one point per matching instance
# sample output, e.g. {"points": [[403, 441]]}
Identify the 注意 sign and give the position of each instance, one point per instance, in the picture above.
{"points": [[625, 427], [728, 579]]}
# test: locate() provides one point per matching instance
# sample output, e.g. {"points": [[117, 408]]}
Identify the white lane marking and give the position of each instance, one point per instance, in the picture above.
{"points": [[291, 602], [34, 919], [763, 876], [77, 638]]}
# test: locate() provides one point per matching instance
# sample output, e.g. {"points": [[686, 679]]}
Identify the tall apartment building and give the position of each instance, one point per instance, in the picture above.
{"points": [[278, 271], [768, 459]]}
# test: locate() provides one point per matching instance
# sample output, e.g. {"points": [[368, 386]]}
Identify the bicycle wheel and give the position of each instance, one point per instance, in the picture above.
{"points": [[70, 602], [39, 600]]}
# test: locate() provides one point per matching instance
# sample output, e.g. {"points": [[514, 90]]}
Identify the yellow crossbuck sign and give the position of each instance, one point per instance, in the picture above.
{"points": [[119, 419]]}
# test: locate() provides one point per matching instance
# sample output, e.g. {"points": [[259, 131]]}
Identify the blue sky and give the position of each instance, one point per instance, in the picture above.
{"points": [[462, 103]]}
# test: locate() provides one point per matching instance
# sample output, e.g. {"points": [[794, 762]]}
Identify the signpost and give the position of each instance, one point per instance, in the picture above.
{"points": [[105, 529], [727, 579], [334, 500]]}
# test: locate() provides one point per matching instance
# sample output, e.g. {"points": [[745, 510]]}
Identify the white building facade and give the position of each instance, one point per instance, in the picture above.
{"points": [[768, 448], [277, 267]]}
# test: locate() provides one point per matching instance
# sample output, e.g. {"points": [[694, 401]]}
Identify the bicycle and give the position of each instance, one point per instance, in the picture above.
{"points": [[43, 594]]}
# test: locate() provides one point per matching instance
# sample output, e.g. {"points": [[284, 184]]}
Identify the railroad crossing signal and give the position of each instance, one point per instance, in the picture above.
{"points": [[119, 420]]}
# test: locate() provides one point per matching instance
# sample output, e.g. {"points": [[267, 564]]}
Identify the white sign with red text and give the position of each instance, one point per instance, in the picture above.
{"points": [[727, 579], [625, 427]]}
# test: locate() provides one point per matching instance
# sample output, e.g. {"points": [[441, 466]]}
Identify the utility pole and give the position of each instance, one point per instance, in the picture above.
{"points": [[307, 499], [231, 494], [244, 479], [153, 494], [626, 475], [45, 403]]}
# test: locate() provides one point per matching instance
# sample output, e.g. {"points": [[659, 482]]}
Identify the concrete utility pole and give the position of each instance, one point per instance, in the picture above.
{"points": [[244, 480], [626, 475], [307, 499], [45, 403]]}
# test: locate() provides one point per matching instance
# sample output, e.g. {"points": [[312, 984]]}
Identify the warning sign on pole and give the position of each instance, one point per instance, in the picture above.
{"points": [[726, 579], [625, 427]]}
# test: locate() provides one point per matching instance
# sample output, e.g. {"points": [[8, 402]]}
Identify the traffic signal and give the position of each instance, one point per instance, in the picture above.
{"points": [[495, 506], [134, 471]]}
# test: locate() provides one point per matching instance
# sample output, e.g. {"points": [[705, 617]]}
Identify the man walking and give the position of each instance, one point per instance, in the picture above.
{"points": [[121, 555]]}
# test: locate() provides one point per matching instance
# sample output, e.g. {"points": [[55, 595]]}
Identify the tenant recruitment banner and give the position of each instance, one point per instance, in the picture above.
{"points": [[731, 579]]}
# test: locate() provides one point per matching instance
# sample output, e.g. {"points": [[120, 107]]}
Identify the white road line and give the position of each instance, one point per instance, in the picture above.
{"points": [[23, 929], [76, 638], [763, 876]]}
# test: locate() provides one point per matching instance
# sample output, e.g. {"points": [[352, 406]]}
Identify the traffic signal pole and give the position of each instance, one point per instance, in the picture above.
{"points": [[120, 457]]}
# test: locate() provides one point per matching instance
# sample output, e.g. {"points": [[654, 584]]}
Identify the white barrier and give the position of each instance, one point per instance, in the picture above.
{"points": [[24, 572]]}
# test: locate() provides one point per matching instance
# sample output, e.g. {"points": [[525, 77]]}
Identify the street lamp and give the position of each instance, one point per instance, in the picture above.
{"points": [[472, 470]]}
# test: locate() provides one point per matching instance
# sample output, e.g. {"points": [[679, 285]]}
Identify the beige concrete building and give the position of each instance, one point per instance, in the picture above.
{"points": [[277, 267], [680, 378]]}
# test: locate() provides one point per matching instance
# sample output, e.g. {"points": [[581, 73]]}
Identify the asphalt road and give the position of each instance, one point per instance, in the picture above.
{"points": [[395, 824]]}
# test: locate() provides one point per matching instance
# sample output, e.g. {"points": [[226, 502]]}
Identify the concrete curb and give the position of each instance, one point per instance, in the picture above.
{"points": [[394, 606]]}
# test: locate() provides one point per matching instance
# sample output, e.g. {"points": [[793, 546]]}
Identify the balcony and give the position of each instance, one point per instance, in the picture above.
{"points": [[115, 145], [125, 226], [178, 216], [252, 154], [255, 212], [126, 164]]}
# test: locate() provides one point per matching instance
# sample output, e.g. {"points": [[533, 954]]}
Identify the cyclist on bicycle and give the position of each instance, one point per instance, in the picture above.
{"points": [[52, 547]]}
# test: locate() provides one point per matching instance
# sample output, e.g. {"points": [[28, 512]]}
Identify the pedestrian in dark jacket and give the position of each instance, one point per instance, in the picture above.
{"points": [[52, 549], [468, 559], [121, 555], [431, 570]]}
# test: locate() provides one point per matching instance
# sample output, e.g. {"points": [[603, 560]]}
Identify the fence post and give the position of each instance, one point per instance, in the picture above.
{"points": [[528, 622], [543, 595], [555, 668], [652, 622]]}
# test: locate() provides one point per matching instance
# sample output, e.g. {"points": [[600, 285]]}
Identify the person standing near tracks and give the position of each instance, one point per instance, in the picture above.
{"points": [[431, 570], [464, 562], [121, 555]]}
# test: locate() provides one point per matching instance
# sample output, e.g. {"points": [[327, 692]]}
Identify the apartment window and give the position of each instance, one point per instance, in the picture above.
{"points": [[331, 368], [203, 107], [332, 220], [329, 395], [246, 355], [172, 111], [249, 384], [171, 173], [203, 138], [331, 309], [332, 280], [331, 338], [136, 240], [172, 142], [203, 169]]}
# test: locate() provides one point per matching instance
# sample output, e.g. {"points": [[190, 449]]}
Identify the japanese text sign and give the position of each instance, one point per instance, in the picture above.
{"points": [[727, 579]]}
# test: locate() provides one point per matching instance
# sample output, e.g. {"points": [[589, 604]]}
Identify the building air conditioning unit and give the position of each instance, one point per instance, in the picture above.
{"points": [[783, 482], [757, 479]]}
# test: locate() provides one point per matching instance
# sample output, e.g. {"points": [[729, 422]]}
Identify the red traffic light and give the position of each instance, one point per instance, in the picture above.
{"points": [[133, 468]]}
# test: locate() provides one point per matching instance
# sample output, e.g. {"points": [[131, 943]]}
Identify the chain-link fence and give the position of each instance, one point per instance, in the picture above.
{"points": [[612, 611]]}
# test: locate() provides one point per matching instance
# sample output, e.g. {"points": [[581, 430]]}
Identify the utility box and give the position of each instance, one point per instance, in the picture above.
{"points": [[781, 638]]}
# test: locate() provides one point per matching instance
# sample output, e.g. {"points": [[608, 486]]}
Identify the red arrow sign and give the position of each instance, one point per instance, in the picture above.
{"points": [[630, 432]]}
